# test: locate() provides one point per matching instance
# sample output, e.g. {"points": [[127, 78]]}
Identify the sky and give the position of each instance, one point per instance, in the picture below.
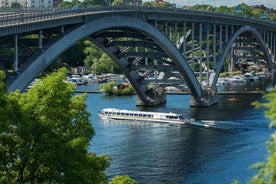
{"points": [[180, 3]]}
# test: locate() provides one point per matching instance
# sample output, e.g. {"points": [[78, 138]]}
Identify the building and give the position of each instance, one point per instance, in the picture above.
{"points": [[7, 3], [4, 3], [132, 2], [31, 3], [122, 86], [56, 3], [39, 3]]}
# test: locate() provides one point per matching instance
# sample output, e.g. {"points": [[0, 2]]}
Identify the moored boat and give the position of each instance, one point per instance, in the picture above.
{"points": [[234, 99], [158, 117]]}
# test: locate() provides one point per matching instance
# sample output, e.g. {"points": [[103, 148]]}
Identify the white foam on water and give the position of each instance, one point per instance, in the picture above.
{"points": [[219, 124]]}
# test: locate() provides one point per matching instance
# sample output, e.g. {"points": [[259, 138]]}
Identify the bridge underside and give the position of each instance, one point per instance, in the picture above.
{"points": [[152, 52]]}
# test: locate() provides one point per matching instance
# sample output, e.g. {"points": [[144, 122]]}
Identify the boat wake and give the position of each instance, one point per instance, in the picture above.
{"points": [[219, 124]]}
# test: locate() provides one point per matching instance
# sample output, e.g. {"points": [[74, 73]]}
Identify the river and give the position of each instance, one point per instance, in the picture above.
{"points": [[167, 154]]}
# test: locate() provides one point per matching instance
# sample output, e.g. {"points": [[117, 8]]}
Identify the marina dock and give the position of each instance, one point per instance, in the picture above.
{"points": [[186, 93]]}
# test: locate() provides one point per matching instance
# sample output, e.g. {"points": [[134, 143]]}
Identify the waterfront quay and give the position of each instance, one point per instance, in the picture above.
{"points": [[183, 92]]}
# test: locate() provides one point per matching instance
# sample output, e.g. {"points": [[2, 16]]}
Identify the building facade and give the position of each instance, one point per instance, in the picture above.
{"points": [[133, 2], [39, 3], [31, 3]]}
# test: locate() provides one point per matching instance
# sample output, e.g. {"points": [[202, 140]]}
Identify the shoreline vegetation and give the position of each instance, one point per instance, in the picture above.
{"points": [[111, 88]]}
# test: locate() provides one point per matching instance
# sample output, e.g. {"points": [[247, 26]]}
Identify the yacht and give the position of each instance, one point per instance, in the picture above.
{"points": [[109, 114]]}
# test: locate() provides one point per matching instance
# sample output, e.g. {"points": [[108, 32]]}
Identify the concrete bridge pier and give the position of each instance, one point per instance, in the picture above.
{"points": [[273, 80], [209, 97], [154, 98]]}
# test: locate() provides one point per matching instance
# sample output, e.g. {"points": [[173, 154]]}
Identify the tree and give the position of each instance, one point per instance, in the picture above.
{"points": [[256, 12], [157, 4], [65, 5], [117, 2], [122, 180], [75, 55], [105, 65], [92, 53], [273, 17], [15, 5], [267, 170], [45, 134], [90, 3], [108, 88]]}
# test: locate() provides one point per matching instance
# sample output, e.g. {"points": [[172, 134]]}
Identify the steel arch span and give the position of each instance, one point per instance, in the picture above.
{"points": [[227, 47], [89, 29]]}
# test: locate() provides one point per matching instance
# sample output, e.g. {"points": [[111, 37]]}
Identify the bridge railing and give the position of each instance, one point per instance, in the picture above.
{"points": [[15, 17]]}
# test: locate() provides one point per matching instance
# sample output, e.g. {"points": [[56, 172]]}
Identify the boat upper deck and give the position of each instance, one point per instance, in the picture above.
{"points": [[142, 114]]}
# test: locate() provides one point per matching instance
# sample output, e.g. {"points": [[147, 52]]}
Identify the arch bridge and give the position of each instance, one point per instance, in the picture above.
{"points": [[154, 47]]}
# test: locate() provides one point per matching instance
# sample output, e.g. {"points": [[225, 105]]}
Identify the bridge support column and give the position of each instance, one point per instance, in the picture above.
{"points": [[40, 46], [15, 67], [156, 98], [209, 97]]}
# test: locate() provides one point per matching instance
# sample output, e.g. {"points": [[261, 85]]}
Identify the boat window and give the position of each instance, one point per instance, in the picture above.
{"points": [[182, 117], [135, 114], [123, 114], [127, 114], [172, 117]]}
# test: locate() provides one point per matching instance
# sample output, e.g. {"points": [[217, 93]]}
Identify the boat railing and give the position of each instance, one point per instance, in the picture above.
{"points": [[145, 114]]}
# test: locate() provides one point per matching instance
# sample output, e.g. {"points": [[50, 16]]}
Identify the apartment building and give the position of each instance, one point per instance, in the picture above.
{"points": [[31, 3], [132, 2]]}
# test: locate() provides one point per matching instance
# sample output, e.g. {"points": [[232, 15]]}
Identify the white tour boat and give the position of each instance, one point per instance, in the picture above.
{"points": [[108, 114]]}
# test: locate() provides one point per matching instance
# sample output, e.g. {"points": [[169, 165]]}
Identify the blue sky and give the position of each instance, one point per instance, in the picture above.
{"points": [[180, 3]]}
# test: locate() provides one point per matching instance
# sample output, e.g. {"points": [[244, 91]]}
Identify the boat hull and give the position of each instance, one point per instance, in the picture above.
{"points": [[142, 116]]}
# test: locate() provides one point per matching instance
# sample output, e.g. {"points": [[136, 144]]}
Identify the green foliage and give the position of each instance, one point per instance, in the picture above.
{"points": [[256, 12], [108, 88], [269, 106], [45, 134], [15, 5], [122, 180], [273, 17], [267, 170], [65, 5], [117, 2], [245, 10], [127, 91], [105, 65], [235, 182], [98, 61], [156, 4], [228, 74], [74, 56], [85, 3], [92, 53], [90, 3]]}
